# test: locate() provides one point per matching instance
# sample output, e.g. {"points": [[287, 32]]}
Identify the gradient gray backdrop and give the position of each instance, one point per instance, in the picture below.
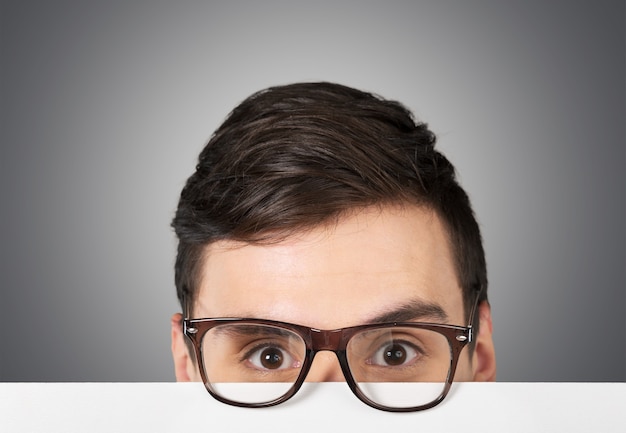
{"points": [[105, 106]]}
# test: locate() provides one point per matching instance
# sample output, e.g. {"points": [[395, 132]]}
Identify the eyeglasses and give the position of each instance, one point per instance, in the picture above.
{"points": [[397, 367]]}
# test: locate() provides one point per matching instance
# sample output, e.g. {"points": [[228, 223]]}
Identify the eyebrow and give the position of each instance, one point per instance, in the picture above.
{"points": [[412, 310], [264, 331]]}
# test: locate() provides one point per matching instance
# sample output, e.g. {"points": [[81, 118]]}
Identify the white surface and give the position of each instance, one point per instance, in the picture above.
{"points": [[320, 407]]}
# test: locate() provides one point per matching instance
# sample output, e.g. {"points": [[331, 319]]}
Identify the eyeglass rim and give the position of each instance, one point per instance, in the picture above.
{"points": [[457, 336], [195, 335]]}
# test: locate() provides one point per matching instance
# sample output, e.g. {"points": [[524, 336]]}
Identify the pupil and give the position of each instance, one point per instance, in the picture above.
{"points": [[271, 358], [395, 355]]}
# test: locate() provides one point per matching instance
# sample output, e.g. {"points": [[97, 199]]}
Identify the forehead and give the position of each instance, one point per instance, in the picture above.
{"points": [[364, 266]]}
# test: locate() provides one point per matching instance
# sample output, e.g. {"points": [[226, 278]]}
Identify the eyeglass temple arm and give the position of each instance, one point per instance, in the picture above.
{"points": [[479, 292], [186, 314]]}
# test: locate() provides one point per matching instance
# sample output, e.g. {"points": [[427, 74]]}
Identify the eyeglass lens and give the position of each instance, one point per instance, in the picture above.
{"points": [[398, 367]]}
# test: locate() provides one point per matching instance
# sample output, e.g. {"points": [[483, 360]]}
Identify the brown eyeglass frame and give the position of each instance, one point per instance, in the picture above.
{"points": [[335, 340]]}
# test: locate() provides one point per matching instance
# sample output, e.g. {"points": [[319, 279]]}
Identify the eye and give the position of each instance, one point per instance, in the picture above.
{"points": [[394, 354], [271, 358]]}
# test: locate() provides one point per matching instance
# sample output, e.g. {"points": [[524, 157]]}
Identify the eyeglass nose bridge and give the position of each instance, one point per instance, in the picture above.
{"points": [[326, 340]]}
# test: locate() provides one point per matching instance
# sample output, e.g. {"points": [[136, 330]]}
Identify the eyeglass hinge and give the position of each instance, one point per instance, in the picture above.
{"points": [[192, 330], [469, 337]]}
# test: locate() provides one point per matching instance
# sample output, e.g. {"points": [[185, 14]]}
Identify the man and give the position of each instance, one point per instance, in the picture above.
{"points": [[321, 219]]}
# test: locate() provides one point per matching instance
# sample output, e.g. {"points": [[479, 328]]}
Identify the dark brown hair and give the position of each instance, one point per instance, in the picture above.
{"points": [[294, 157]]}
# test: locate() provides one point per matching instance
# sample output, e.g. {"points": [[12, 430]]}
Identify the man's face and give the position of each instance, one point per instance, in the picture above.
{"points": [[373, 265]]}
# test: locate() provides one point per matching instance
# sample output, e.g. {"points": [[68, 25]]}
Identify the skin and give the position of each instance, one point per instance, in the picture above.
{"points": [[365, 268]]}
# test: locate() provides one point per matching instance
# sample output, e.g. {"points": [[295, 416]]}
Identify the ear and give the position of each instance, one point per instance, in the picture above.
{"points": [[484, 359], [183, 364]]}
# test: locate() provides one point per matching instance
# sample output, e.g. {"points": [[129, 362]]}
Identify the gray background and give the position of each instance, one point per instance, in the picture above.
{"points": [[105, 106]]}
